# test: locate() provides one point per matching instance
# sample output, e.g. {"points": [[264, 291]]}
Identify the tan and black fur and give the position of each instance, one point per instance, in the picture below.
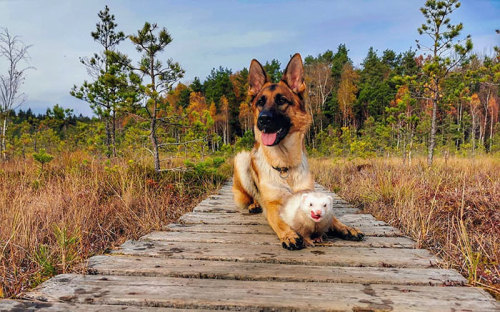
{"points": [[265, 177]]}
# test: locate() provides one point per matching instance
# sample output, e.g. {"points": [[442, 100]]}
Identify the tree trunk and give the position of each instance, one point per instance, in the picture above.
{"points": [[154, 139], [410, 145], [491, 130], [481, 130], [113, 133], [459, 123], [154, 142], [473, 132], [432, 139], [3, 148], [35, 148], [484, 126], [108, 136]]}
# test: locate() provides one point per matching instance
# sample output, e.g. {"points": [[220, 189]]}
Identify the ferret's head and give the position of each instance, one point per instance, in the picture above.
{"points": [[316, 205]]}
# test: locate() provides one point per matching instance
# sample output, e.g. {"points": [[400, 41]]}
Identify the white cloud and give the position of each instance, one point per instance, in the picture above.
{"points": [[224, 33]]}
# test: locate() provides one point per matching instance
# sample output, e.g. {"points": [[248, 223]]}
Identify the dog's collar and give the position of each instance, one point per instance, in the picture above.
{"points": [[283, 171]]}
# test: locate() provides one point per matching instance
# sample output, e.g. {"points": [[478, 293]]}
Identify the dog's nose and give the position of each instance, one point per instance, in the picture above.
{"points": [[265, 119]]}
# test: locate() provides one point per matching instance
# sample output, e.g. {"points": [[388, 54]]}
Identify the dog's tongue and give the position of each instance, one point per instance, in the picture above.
{"points": [[268, 138]]}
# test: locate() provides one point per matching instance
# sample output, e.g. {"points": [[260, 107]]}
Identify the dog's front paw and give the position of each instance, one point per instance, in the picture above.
{"points": [[254, 208], [292, 241], [347, 233]]}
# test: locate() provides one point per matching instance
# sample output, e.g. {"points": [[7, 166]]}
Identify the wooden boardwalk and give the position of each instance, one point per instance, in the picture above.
{"points": [[220, 258]]}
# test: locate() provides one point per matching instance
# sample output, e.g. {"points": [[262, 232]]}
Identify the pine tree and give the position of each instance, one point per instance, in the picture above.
{"points": [[339, 59], [445, 53], [376, 92], [111, 86], [273, 70], [152, 41]]}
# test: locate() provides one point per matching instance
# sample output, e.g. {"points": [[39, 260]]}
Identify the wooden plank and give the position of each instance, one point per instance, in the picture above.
{"points": [[230, 202], [247, 218], [266, 229], [24, 305], [210, 208], [230, 207], [335, 256], [272, 239], [257, 295], [187, 268]]}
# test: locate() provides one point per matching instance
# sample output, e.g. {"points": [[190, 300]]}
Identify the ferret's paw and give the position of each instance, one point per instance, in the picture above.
{"points": [[347, 233], [254, 208], [308, 242], [292, 241], [318, 239]]}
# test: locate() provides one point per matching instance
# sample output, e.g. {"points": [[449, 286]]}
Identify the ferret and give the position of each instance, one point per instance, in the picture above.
{"points": [[310, 214]]}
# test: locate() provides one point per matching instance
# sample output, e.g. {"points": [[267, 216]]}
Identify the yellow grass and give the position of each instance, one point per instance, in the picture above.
{"points": [[452, 208], [81, 205]]}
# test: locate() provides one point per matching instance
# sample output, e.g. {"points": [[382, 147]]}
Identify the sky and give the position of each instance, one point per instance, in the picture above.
{"points": [[209, 34]]}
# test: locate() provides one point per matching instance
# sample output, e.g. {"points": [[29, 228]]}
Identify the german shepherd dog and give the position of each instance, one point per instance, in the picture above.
{"points": [[277, 166]]}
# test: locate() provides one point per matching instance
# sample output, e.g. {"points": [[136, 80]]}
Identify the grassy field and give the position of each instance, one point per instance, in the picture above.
{"points": [[452, 208], [79, 205]]}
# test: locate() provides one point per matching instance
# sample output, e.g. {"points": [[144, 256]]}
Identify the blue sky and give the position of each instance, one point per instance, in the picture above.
{"points": [[210, 34]]}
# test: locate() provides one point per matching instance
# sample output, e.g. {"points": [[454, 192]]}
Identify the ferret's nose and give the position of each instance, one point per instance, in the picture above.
{"points": [[318, 212]]}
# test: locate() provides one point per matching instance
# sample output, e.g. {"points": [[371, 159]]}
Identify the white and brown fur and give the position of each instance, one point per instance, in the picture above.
{"points": [[297, 212], [257, 185]]}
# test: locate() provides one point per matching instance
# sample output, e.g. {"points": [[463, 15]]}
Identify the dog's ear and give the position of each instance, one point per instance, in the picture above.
{"points": [[294, 74], [256, 77]]}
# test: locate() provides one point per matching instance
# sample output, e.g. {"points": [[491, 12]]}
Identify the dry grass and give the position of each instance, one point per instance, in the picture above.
{"points": [[452, 208], [80, 206]]}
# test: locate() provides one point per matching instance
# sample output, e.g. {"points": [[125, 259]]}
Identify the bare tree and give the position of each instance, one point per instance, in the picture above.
{"points": [[15, 53], [318, 76]]}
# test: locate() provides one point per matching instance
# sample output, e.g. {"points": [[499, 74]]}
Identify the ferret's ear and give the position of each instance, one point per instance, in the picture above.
{"points": [[304, 197], [330, 199]]}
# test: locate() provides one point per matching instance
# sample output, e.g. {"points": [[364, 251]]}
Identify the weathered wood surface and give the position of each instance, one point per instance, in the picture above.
{"points": [[149, 266], [265, 229], [218, 257], [337, 256], [270, 239], [37, 305], [219, 294]]}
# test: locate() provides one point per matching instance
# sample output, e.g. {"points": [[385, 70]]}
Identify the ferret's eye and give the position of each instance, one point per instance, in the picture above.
{"points": [[311, 204], [324, 205]]}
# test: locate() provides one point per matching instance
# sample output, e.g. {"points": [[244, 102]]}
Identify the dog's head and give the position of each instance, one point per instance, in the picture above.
{"points": [[278, 108]]}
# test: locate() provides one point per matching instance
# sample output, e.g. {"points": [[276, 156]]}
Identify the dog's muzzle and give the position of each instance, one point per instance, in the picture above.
{"points": [[273, 125], [265, 121]]}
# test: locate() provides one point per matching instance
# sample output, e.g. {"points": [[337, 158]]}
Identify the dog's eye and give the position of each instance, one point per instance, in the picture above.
{"points": [[261, 101], [281, 100]]}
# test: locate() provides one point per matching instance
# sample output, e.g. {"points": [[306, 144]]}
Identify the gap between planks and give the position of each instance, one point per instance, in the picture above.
{"points": [[256, 295], [335, 256], [188, 268], [271, 239]]}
